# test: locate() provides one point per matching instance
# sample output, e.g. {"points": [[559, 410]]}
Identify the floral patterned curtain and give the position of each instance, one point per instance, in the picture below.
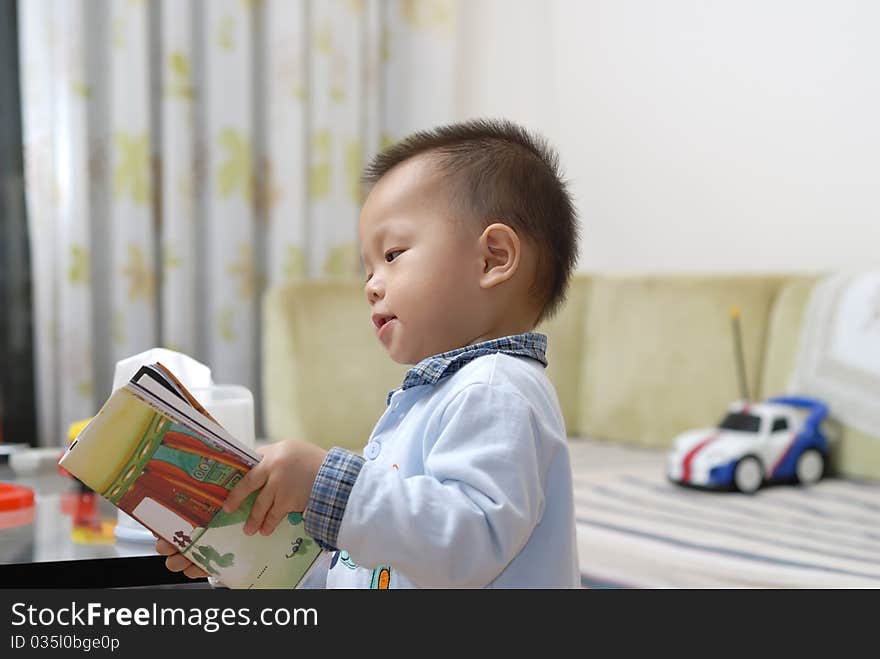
{"points": [[183, 155]]}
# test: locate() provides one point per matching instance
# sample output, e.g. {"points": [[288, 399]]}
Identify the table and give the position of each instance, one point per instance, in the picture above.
{"points": [[70, 543]]}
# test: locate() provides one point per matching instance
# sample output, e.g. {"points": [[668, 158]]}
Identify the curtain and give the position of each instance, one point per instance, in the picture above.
{"points": [[17, 413], [183, 155]]}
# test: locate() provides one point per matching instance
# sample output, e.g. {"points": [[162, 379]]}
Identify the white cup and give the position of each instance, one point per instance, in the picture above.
{"points": [[232, 405]]}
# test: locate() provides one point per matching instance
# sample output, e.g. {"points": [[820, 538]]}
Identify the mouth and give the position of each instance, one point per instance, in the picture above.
{"points": [[380, 320]]}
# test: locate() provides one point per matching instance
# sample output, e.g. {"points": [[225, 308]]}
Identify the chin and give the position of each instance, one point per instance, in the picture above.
{"points": [[402, 356], [405, 360]]}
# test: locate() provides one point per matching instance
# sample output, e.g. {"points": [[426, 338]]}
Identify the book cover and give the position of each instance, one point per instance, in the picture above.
{"points": [[153, 454]]}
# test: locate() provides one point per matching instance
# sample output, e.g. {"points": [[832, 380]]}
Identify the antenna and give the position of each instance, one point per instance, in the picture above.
{"points": [[738, 353]]}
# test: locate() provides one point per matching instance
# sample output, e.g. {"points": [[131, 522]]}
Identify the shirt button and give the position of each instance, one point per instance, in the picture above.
{"points": [[372, 450]]}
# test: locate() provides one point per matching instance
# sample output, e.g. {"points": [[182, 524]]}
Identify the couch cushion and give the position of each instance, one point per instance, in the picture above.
{"points": [[325, 376], [658, 354]]}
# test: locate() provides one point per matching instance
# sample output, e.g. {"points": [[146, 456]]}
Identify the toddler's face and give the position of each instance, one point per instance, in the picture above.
{"points": [[422, 266]]}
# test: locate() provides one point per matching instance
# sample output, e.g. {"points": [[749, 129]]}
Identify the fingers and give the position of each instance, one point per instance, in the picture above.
{"points": [[195, 572], [272, 520], [165, 548], [250, 482], [262, 505], [178, 563]]}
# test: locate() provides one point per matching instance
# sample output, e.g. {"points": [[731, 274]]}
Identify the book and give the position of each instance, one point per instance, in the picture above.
{"points": [[154, 452]]}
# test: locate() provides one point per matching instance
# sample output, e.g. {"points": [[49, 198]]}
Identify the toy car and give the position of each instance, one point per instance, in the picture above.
{"points": [[779, 439]]}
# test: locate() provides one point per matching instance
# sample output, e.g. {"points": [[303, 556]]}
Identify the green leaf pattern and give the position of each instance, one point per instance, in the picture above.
{"points": [[320, 171], [117, 327], [118, 31], [435, 16], [170, 259], [354, 162], [243, 270], [79, 270], [226, 33], [226, 324], [140, 276], [235, 174], [179, 81], [132, 172]]}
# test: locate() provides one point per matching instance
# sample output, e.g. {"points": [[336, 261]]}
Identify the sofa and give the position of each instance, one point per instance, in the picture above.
{"points": [[635, 359]]}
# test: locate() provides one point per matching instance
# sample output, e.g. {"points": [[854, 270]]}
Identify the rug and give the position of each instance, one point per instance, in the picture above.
{"points": [[635, 529]]}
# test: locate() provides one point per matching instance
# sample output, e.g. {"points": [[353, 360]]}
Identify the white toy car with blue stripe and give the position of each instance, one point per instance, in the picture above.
{"points": [[779, 439]]}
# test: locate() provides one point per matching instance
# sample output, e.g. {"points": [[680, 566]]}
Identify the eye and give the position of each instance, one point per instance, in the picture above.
{"points": [[369, 277], [392, 254]]}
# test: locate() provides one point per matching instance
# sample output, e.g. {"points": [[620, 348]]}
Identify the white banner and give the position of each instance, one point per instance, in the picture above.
{"points": [[839, 358]]}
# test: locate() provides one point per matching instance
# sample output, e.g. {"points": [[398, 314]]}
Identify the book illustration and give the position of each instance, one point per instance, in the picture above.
{"points": [[162, 466], [178, 469], [205, 554], [297, 545]]}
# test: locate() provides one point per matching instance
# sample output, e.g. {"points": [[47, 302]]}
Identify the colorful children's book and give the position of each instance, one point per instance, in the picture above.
{"points": [[155, 452]]}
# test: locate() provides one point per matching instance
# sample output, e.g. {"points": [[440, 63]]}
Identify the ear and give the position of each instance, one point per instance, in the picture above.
{"points": [[500, 252]]}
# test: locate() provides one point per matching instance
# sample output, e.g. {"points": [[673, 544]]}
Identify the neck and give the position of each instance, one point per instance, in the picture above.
{"points": [[508, 327]]}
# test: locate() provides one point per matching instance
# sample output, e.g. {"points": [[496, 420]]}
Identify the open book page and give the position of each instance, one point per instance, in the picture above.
{"points": [[150, 386], [153, 455]]}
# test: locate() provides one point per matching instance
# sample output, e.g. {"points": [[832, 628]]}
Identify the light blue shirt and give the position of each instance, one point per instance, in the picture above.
{"points": [[466, 483]]}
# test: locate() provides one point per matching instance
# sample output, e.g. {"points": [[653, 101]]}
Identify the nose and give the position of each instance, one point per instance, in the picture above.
{"points": [[374, 289]]}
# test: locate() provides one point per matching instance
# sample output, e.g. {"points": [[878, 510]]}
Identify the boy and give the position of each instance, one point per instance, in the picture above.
{"points": [[468, 239]]}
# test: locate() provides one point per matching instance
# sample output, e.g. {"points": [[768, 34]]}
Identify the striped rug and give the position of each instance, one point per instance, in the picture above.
{"points": [[637, 530]]}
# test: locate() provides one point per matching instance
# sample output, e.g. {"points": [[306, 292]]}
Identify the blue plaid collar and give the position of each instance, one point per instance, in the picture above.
{"points": [[433, 369]]}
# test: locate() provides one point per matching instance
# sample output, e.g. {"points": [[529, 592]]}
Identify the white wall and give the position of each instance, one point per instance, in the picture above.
{"points": [[735, 135]]}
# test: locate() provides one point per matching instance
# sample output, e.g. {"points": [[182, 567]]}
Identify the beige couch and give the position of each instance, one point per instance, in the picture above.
{"points": [[634, 358]]}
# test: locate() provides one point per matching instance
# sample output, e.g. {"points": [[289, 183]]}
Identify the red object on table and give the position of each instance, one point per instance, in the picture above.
{"points": [[16, 505]]}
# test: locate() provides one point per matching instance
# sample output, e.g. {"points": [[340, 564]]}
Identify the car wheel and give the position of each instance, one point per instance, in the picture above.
{"points": [[810, 467], [748, 475]]}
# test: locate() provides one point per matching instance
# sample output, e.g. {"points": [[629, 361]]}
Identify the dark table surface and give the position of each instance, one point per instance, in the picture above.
{"points": [[69, 541]]}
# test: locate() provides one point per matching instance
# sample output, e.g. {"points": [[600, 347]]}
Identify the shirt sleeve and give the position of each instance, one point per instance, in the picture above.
{"points": [[329, 496], [461, 522]]}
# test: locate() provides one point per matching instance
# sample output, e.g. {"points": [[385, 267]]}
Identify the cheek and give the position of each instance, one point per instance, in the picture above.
{"points": [[432, 284], [435, 284]]}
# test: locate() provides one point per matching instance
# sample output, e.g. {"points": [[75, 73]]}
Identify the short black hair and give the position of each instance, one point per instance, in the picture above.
{"points": [[499, 170]]}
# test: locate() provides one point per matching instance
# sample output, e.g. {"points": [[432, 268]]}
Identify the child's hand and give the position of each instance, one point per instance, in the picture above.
{"points": [[285, 474], [177, 562]]}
